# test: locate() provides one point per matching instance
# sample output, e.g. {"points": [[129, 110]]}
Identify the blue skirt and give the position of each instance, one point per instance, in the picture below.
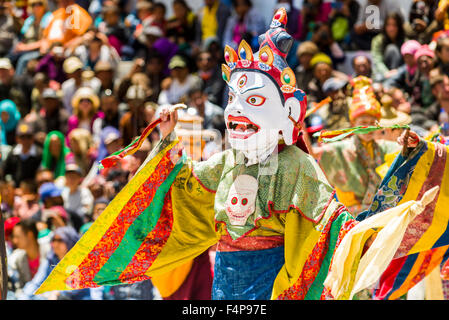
{"points": [[246, 275]]}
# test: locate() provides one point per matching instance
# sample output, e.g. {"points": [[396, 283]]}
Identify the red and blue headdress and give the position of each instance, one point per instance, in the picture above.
{"points": [[274, 46]]}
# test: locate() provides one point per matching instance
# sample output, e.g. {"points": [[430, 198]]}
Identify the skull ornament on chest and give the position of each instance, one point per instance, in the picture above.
{"points": [[241, 200]]}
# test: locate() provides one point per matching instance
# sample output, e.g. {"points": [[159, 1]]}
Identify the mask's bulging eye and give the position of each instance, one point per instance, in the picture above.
{"points": [[234, 200], [242, 81], [256, 100], [230, 98]]}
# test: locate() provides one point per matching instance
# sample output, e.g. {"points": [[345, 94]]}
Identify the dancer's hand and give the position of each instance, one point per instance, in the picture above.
{"points": [[169, 117], [412, 141]]}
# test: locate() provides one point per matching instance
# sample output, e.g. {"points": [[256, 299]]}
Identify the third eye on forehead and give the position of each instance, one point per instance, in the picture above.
{"points": [[243, 82]]}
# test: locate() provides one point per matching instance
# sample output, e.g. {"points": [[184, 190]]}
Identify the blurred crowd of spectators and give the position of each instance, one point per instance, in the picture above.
{"points": [[79, 80]]}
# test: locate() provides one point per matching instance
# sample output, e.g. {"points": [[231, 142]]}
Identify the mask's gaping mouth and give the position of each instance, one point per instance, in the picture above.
{"points": [[241, 127]]}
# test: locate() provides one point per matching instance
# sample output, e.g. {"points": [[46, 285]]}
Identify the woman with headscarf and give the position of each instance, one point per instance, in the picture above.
{"points": [[62, 240], [9, 118], [85, 105], [54, 153]]}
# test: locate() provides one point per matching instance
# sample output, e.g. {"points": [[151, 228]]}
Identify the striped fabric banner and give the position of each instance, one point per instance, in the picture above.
{"points": [[309, 285], [125, 240], [426, 241]]}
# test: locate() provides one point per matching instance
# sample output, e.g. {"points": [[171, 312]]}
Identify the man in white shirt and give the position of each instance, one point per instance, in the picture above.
{"points": [[73, 67], [176, 87]]}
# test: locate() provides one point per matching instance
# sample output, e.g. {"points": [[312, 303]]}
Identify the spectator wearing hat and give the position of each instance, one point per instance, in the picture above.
{"points": [[73, 67], [335, 113], [53, 116], [104, 71], [78, 200], [25, 157], [52, 213], [50, 196], [390, 116], [9, 224], [321, 65], [133, 121], [408, 75], [179, 83], [425, 58], [12, 89], [86, 105], [304, 74]]}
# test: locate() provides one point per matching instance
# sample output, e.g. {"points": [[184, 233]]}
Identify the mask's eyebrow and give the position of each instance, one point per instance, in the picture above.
{"points": [[232, 89], [252, 88]]}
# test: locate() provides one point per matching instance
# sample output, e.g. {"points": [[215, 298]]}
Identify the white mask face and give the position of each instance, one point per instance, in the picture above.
{"points": [[254, 115], [241, 201]]}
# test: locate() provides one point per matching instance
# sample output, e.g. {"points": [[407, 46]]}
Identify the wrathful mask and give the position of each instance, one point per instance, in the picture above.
{"points": [[264, 104]]}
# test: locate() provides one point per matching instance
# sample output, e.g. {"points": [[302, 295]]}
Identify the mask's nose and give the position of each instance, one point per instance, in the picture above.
{"points": [[235, 108]]}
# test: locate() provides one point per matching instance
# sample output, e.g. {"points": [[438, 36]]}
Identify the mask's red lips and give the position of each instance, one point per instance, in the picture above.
{"points": [[241, 127]]}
